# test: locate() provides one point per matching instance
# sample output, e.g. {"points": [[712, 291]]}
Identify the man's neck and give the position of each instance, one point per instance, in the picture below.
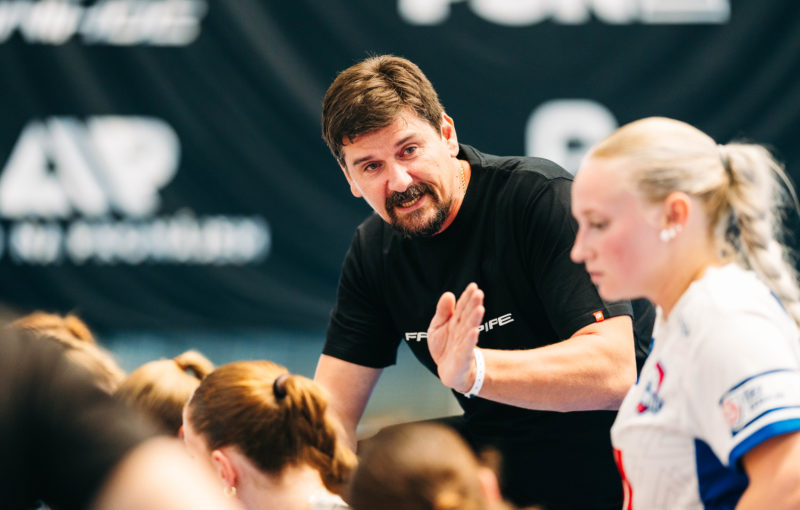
{"points": [[463, 176]]}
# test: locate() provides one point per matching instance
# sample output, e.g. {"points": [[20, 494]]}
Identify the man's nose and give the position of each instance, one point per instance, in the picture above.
{"points": [[399, 179]]}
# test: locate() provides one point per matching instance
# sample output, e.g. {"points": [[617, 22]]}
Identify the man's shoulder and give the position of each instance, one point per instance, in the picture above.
{"points": [[522, 183], [372, 237], [518, 167], [372, 225]]}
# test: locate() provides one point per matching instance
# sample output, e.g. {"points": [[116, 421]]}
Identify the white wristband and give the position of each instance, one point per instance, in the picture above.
{"points": [[480, 373]]}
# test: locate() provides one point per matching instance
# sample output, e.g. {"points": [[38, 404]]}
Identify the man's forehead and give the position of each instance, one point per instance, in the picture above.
{"points": [[403, 128], [398, 123]]}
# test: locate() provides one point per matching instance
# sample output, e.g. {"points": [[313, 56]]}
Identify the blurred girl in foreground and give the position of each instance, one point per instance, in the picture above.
{"points": [[422, 466]]}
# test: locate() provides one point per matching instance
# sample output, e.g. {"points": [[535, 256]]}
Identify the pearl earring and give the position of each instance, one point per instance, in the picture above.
{"points": [[668, 234]]}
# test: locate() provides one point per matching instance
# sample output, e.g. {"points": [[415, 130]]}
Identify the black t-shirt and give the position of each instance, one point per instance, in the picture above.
{"points": [[60, 435], [512, 236]]}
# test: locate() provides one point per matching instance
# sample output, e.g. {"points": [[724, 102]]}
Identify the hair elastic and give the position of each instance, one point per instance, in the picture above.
{"points": [[279, 385]]}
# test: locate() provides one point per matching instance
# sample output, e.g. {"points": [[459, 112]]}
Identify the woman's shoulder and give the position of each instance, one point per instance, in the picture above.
{"points": [[731, 291]]}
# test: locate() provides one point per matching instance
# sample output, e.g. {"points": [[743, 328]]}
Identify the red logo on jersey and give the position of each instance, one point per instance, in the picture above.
{"points": [[598, 316], [651, 400], [731, 412]]}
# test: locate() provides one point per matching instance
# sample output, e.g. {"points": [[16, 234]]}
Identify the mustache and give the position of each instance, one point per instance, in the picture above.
{"points": [[414, 191]]}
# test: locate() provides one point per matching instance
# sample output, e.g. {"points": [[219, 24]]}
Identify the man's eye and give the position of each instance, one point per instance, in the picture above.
{"points": [[411, 149], [371, 167], [598, 225]]}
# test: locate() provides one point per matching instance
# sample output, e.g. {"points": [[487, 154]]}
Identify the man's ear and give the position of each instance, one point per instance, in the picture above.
{"points": [[353, 188], [676, 210], [225, 468], [448, 130]]}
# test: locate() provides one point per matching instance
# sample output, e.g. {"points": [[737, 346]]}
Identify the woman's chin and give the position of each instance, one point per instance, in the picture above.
{"points": [[609, 293]]}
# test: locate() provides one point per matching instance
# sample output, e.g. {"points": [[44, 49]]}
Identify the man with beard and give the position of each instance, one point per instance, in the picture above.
{"points": [[536, 359]]}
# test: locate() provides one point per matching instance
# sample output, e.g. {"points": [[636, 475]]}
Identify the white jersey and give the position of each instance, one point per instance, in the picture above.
{"points": [[723, 375]]}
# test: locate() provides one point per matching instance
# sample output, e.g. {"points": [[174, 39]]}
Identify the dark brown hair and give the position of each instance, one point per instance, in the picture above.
{"points": [[161, 388], [369, 95], [420, 466], [237, 405]]}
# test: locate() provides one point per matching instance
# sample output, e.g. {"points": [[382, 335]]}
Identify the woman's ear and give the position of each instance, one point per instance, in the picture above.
{"points": [[677, 207], [489, 485], [225, 468]]}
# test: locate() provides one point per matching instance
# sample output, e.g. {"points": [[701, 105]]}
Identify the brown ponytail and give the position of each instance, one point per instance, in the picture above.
{"points": [[276, 424]]}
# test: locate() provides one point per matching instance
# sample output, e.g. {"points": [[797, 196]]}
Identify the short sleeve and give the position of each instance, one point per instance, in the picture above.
{"points": [[359, 330], [744, 385]]}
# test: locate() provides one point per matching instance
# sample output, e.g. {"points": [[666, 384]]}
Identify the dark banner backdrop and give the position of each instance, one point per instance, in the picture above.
{"points": [[162, 165]]}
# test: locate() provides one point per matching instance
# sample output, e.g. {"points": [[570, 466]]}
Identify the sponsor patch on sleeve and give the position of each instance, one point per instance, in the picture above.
{"points": [[759, 396], [598, 316]]}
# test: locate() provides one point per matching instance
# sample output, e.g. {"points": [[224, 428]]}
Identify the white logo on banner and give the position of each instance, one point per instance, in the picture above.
{"points": [[563, 130], [571, 12], [115, 22], [66, 181], [107, 163]]}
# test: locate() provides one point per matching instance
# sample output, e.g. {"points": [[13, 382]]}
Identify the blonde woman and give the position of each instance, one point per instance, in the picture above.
{"points": [[714, 418], [269, 436], [161, 388]]}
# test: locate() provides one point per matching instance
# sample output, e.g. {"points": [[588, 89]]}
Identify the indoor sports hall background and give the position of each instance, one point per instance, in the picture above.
{"points": [[163, 174]]}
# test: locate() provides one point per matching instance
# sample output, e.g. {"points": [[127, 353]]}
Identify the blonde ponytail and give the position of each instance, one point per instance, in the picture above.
{"points": [[194, 362], [756, 194]]}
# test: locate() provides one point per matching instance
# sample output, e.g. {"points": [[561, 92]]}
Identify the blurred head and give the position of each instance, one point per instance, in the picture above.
{"points": [[80, 346], [398, 150], [658, 195], [161, 388], [240, 407], [422, 466]]}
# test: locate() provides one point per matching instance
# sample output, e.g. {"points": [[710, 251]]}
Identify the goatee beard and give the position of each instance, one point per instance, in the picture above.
{"points": [[407, 228]]}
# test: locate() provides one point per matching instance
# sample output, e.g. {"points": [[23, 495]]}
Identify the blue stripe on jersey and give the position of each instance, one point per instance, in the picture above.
{"points": [[761, 435], [762, 414], [754, 377], [720, 487]]}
